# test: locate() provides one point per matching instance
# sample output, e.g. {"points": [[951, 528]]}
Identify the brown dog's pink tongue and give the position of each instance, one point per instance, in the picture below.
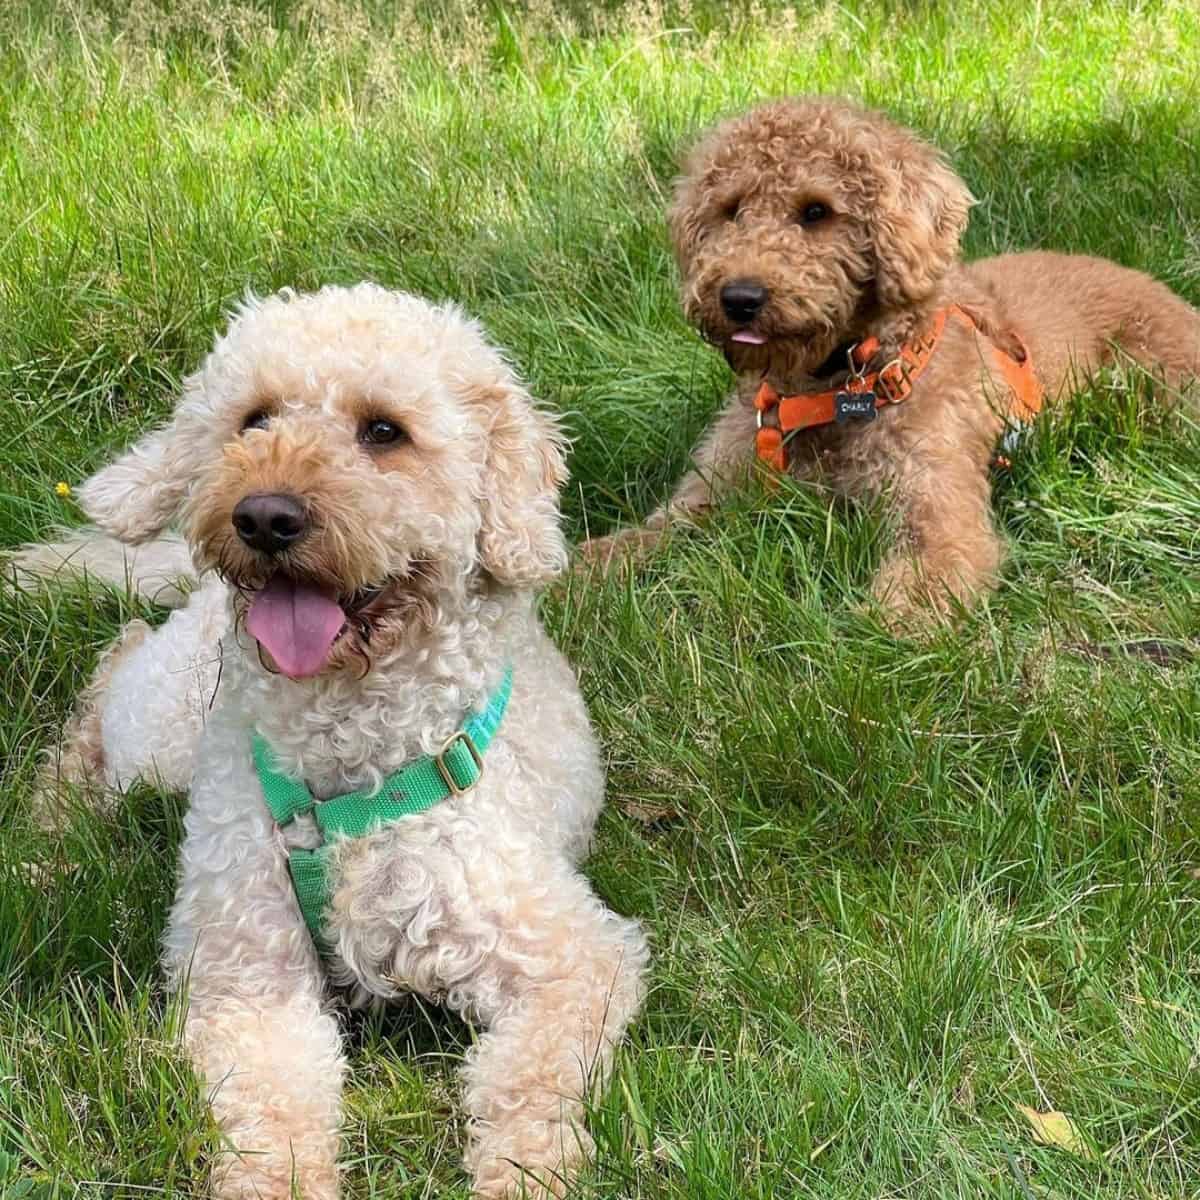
{"points": [[748, 336], [297, 622]]}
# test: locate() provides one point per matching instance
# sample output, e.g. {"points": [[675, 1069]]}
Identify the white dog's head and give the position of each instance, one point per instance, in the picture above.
{"points": [[336, 458]]}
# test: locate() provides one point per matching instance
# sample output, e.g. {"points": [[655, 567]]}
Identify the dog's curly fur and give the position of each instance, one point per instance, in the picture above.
{"points": [[880, 259], [478, 901]]}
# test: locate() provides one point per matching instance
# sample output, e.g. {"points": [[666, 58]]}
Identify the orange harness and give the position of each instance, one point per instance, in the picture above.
{"points": [[863, 393]]}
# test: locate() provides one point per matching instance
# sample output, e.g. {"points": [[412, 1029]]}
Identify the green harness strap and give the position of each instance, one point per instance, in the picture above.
{"points": [[411, 790]]}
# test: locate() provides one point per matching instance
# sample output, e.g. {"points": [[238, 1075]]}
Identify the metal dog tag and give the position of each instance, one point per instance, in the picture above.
{"points": [[854, 406]]}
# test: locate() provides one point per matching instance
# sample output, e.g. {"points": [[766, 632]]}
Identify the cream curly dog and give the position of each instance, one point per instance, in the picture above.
{"points": [[809, 226], [380, 495]]}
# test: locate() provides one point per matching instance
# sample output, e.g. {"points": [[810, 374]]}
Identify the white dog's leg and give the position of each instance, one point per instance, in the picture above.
{"points": [[564, 981], [272, 1068], [266, 1050], [143, 711]]}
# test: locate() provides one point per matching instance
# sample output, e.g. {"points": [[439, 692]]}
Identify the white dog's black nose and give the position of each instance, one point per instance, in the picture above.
{"points": [[270, 521], [742, 299]]}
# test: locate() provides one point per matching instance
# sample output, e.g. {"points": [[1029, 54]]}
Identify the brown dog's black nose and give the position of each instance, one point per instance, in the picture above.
{"points": [[742, 299], [270, 521]]}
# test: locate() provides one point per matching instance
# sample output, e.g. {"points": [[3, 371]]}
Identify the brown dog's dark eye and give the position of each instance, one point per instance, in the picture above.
{"points": [[810, 214], [380, 433], [259, 419], [730, 211]]}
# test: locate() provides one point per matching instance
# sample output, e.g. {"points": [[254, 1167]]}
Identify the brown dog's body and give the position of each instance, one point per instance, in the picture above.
{"points": [[808, 225]]}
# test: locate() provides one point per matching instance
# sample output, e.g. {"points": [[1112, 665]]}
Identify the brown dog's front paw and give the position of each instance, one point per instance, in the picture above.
{"points": [[916, 599], [597, 553], [616, 551], [904, 599]]}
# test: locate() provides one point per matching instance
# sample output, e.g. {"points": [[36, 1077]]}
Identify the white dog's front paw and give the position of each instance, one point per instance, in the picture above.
{"points": [[274, 1175], [534, 1163]]}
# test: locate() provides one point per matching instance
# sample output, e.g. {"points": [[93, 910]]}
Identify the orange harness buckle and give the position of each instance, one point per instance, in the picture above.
{"points": [[894, 380], [893, 383]]}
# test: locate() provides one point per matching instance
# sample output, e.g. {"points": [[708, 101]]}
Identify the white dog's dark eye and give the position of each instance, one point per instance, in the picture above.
{"points": [[259, 419], [810, 214], [380, 433]]}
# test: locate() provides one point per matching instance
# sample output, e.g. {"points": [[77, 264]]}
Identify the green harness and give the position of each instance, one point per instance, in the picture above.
{"points": [[413, 789]]}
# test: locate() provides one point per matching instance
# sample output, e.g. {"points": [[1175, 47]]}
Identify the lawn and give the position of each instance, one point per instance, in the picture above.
{"points": [[897, 889]]}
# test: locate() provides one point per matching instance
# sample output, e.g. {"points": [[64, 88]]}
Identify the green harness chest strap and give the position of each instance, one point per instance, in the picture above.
{"points": [[411, 790]]}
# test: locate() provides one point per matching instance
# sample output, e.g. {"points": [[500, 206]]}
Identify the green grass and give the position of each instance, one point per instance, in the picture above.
{"points": [[895, 889]]}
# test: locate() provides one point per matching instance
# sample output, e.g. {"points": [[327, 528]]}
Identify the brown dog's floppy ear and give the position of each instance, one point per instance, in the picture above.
{"points": [[136, 496], [684, 220], [686, 215], [520, 541], [920, 217]]}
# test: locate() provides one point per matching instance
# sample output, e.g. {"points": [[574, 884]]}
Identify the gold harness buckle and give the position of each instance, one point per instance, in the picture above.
{"points": [[439, 761]]}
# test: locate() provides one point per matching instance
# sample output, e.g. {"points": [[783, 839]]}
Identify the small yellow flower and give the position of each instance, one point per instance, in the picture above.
{"points": [[62, 489]]}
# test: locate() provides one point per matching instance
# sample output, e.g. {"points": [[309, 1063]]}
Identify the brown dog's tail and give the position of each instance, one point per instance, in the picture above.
{"points": [[159, 571]]}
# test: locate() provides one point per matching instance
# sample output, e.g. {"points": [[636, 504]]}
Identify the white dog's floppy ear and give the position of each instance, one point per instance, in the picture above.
{"points": [[136, 496], [920, 217], [521, 543]]}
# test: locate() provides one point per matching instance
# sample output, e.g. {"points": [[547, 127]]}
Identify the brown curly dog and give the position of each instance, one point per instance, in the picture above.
{"points": [[809, 227]]}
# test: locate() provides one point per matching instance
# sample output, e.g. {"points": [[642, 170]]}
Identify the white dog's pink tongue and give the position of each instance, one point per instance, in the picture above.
{"points": [[748, 336], [297, 622]]}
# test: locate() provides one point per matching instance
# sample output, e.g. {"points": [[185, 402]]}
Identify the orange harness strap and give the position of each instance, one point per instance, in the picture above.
{"points": [[892, 384]]}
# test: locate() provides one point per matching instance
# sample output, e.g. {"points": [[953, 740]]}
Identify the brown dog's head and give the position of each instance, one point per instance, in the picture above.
{"points": [[802, 217], [339, 457]]}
